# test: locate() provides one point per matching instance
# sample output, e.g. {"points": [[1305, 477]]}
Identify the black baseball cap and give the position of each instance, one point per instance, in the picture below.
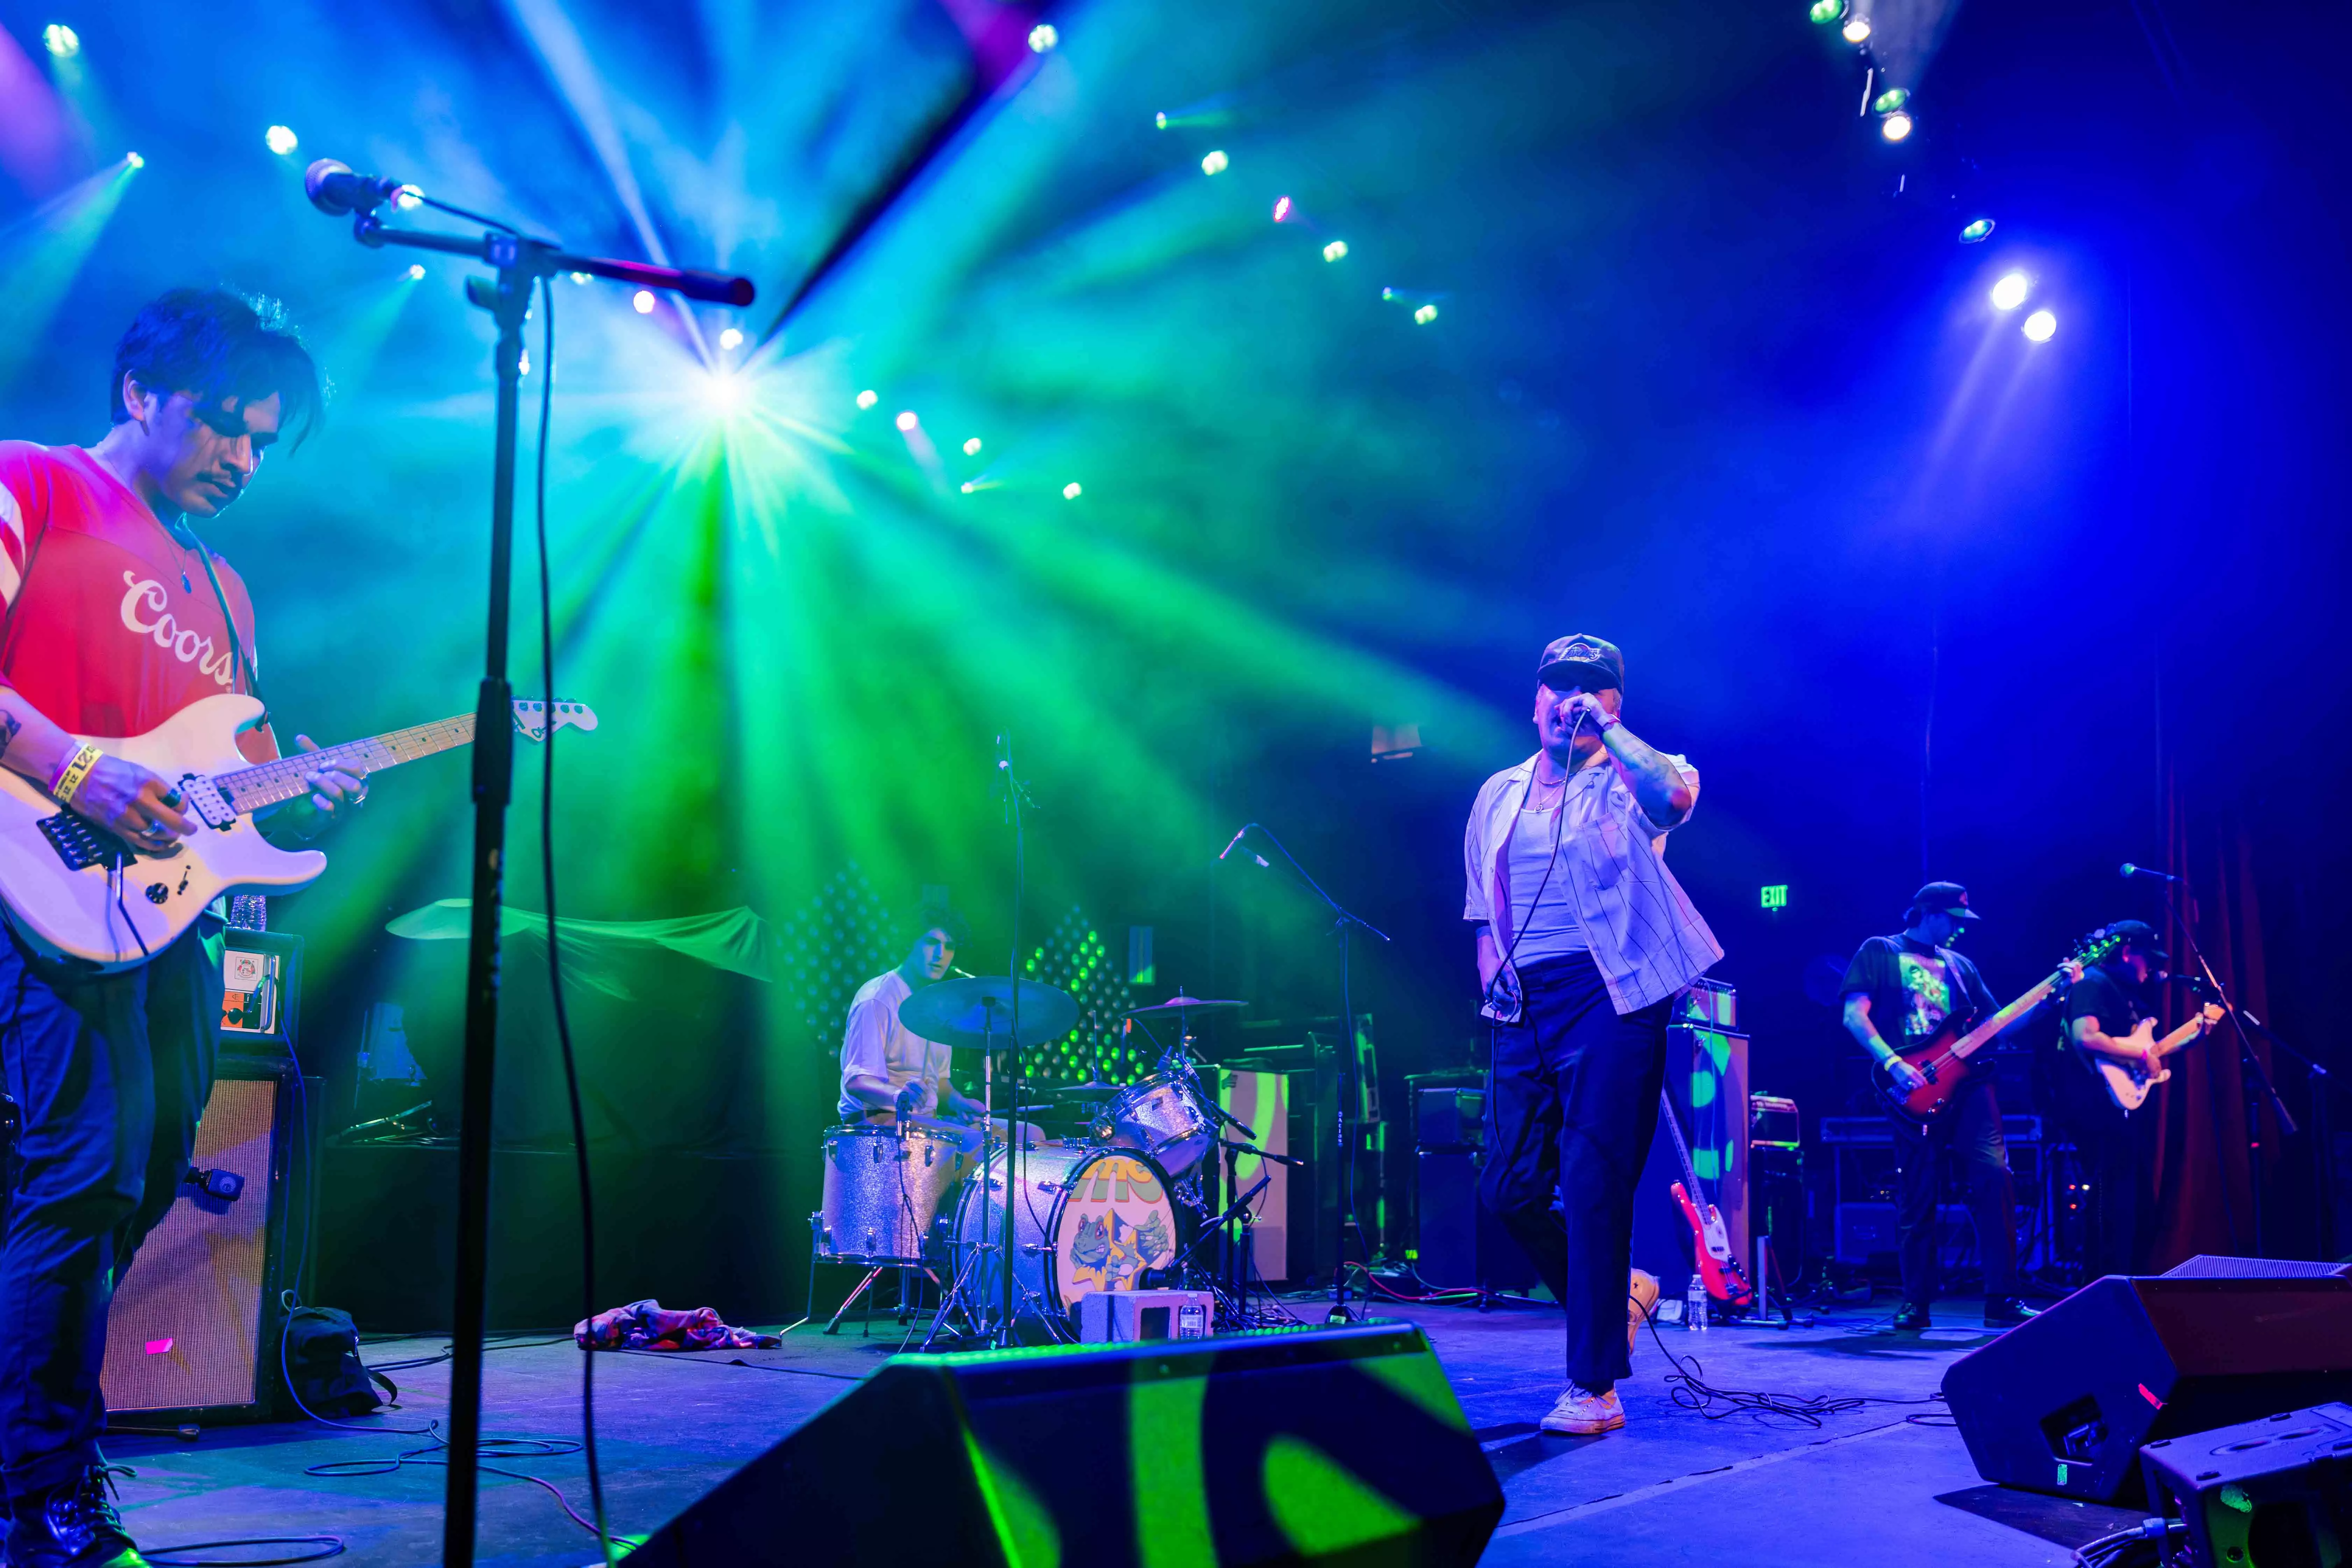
{"points": [[2140, 937], [1578, 659], [1943, 897]]}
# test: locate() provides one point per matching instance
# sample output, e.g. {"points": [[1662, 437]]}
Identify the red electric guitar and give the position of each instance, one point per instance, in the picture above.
{"points": [[1710, 1243], [1942, 1058]]}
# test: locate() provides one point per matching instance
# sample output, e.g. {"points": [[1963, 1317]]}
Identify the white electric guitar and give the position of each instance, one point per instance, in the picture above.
{"points": [[75, 890], [2130, 1083]]}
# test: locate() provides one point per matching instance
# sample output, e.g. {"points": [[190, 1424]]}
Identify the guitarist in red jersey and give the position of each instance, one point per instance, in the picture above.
{"points": [[1899, 990], [116, 619]]}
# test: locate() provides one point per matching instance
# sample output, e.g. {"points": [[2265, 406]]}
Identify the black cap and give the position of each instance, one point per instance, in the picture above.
{"points": [[1577, 660], [1943, 897], [2139, 937]]}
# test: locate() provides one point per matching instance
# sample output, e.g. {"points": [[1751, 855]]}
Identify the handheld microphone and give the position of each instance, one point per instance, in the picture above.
{"points": [[334, 190], [1234, 842], [2149, 873]]}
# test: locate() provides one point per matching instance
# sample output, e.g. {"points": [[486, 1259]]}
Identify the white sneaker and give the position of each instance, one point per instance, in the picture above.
{"points": [[1582, 1415]]}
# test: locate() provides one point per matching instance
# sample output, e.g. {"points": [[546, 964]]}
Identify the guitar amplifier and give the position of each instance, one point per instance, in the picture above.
{"points": [[191, 1335]]}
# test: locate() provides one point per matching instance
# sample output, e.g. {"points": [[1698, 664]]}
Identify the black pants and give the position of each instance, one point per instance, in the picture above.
{"points": [[1971, 1129], [1574, 1105], [2117, 1154], [111, 1072]]}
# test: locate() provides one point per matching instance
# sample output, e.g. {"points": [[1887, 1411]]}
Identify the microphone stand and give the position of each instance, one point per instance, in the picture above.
{"points": [[1016, 1151], [1345, 925], [521, 264]]}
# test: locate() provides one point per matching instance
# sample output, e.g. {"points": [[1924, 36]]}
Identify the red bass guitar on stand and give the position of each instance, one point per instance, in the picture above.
{"points": [[1710, 1242]]}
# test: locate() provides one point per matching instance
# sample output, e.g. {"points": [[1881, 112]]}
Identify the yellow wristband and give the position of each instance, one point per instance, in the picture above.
{"points": [[69, 781]]}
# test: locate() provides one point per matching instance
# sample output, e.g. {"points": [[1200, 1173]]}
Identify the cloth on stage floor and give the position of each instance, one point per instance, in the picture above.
{"points": [[735, 940], [650, 1326]]}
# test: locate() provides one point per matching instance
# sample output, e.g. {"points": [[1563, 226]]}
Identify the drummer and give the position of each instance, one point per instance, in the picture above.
{"points": [[887, 1070]]}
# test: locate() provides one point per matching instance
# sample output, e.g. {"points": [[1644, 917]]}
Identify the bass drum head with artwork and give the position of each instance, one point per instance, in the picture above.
{"points": [[1114, 1221]]}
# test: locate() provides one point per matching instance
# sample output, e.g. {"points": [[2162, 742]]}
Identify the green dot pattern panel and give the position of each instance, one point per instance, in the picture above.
{"points": [[827, 949], [1074, 957]]}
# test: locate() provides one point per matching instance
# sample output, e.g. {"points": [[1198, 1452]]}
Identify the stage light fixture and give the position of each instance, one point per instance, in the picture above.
{"points": [[1893, 98], [867, 399], [907, 421], [643, 302], [967, 490], [1825, 11], [61, 40], [415, 272], [1980, 230], [583, 277], [1215, 162], [408, 199], [136, 162], [523, 367], [1282, 209], [732, 337], [972, 448], [1160, 120], [1425, 315], [2041, 326], [723, 393], [1334, 251], [1895, 127], [1856, 30], [2010, 292], [1072, 490], [282, 139], [1043, 38]]}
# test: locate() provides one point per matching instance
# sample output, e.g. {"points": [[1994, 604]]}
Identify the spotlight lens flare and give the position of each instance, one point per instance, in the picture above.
{"points": [[967, 487], [1282, 209], [1895, 127], [643, 302], [1825, 11], [61, 40], [2011, 291], [907, 421], [1160, 120], [416, 271], [2041, 326], [582, 277], [1857, 30], [1980, 230], [723, 393], [409, 199], [867, 398], [1216, 162], [732, 337], [1425, 315], [1893, 98], [972, 448], [281, 139], [1072, 490], [134, 160], [1335, 250], [1043, 38]]}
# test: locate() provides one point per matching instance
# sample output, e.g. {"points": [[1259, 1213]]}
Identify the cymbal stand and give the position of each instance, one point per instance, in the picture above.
{"points": [[953, 1301]]}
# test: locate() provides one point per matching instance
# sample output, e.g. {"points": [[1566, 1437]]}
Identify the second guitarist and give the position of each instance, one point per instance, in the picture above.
{"points": [[1899, 990]]}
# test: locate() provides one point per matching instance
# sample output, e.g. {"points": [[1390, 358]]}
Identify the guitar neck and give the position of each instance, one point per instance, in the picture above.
{"points": [[1681, 1148], [1983, 1034], [2185, 1034], [266, 784]]}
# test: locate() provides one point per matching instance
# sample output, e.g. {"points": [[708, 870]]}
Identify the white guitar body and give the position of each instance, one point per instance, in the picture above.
{"points": [[2128, 1083], [117, 920]]}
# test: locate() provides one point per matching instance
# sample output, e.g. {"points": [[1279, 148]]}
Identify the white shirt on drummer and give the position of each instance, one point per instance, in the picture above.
{"points": [[877, 1044]]}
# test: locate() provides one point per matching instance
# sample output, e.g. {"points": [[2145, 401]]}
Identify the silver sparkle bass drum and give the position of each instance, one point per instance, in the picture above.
{"points": [[1084, 1219]]}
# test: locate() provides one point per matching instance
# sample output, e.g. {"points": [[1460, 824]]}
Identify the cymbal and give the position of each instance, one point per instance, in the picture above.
{"points": [[1095, 1089], [977, 1012], [1181, 1004]]}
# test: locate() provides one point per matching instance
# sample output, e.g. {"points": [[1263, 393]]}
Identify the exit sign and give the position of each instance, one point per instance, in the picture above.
{"points": [[1776, 897]]}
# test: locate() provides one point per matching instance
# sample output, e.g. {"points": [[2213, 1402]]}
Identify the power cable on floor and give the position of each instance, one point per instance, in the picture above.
{"points": [[1689, 1389]]}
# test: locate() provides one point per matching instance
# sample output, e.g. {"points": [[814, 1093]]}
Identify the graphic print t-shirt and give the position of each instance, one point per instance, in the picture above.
{"points": [[112, 624], [1913, 987]]}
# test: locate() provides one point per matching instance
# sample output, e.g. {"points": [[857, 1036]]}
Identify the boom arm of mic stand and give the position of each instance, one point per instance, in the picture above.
{"points": [[538, 259]]}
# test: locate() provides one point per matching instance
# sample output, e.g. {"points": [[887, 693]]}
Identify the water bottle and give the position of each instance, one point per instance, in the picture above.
{"points": [[1694, 1305]]}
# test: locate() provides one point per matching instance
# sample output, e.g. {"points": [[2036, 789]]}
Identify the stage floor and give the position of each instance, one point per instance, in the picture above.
{"points": [[1674, 1487]]}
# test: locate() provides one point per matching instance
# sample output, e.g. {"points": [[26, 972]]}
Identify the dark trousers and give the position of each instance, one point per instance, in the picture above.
{"points": [[1570, 1116], [1971, 1129], [111, 1072], [2117, 1153]]}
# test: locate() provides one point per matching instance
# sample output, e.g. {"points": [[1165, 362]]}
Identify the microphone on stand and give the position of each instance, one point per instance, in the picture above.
{"points": [[334, 190], [2147, 872], [1234, 842]]}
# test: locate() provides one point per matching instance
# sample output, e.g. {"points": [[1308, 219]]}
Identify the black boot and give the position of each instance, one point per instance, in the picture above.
{"points": [[2006, 1312], [71, 1526], [1911, 1317]]}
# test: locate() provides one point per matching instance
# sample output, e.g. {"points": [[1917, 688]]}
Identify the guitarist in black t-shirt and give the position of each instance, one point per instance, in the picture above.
{"points": [[1899, 990]]}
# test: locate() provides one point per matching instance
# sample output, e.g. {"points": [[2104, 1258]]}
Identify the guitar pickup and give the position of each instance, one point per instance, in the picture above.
{"points": [[81, 843], [205, 797]]}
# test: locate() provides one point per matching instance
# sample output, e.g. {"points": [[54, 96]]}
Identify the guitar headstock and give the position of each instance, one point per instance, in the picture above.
{"points": [[2096, 947], [531, 717]]}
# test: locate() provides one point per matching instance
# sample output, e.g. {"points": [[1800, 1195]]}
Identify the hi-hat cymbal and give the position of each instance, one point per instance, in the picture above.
{"points": [[977, 1012], [1181, 1004]]}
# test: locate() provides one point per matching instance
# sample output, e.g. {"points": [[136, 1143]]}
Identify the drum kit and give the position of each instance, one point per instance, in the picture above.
{"points": [[1113, 1205]]}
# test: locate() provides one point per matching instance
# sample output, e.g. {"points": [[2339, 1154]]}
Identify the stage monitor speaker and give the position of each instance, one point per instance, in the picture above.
{"points": [[2262, 1494], [1333, 1445], [192, 1335], [2062, 1403]]}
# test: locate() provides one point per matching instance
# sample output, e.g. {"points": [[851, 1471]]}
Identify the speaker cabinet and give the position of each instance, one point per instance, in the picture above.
{"points": [[2062, 1403], [193, 1332], [2273, 1491], [1336, 1445]]}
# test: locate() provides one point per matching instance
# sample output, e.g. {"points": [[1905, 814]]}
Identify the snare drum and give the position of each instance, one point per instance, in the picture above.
{"points": [[883, 1185], [1166, 1118], [1084, 1220]]}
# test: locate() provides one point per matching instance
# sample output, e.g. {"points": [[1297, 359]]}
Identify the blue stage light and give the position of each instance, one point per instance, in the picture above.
{"points": [[2011, 291]]}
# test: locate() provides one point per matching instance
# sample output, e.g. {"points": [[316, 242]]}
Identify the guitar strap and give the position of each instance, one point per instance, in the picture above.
{"points": [[228, 619]]}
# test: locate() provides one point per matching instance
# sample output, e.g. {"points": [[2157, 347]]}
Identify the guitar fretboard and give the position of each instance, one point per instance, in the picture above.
{"points": [[266, 784], [1978, 1036]]}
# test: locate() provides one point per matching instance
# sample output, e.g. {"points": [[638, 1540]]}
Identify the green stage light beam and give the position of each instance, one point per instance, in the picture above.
{"points": [[40, 256]]}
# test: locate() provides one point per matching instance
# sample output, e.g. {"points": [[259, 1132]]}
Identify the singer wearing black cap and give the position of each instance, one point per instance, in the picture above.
{"points": [[1898, 992]]}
